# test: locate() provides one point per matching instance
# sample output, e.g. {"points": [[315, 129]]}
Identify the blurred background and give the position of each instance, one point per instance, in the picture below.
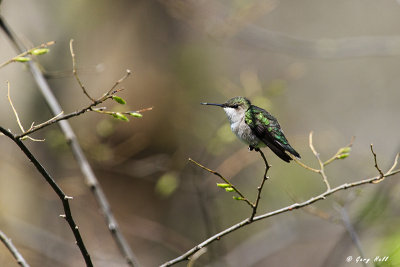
{"points": [[331, 67]]}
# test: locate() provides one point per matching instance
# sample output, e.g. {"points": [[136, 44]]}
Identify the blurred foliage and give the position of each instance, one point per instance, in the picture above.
{"points": [[167, 184]]}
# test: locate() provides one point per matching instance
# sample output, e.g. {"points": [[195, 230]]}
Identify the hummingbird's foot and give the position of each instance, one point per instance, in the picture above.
{"points": [[251, 148]]}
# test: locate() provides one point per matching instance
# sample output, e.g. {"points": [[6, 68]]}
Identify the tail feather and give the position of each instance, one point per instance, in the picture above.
{"points": [[292, 151], [280, 152]]}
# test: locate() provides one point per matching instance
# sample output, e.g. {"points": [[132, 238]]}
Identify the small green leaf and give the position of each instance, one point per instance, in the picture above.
{"points": [[343, 150], [237, 198], [120, 116], [40, 51], [22, 59], [229, 189], [343, 156], [119, 99], [223, 185], [135, 114]]}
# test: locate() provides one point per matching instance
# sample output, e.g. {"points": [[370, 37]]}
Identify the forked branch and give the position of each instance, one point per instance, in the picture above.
{"points": [[344, 151]]}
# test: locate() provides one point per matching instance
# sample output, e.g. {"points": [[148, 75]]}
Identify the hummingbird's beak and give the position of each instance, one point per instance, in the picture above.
{"points": [[213, 104]]}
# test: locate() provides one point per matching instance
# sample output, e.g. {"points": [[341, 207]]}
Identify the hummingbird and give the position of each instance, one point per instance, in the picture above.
{"points": [[256, 127]]}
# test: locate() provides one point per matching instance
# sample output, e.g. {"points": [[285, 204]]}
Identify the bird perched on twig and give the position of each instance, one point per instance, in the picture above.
{"points": [[256, 127]]}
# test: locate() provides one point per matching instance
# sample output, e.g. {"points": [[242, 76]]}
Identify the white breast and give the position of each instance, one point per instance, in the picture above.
{"points": [[239, 126]]}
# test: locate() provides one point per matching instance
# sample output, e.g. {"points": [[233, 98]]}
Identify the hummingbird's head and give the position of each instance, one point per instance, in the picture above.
{"points": [[235, 108], [238, 102]]}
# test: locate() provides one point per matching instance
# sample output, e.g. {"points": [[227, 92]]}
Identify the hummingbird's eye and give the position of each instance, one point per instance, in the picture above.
{"points": [[235, 106]]}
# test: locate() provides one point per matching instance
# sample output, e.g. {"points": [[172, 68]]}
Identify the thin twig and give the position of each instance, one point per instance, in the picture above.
{"points": [[75, 72], [13, 108], [144, 109], [304, 165], [60, 117], [396, 160], [336, 156], [80, 157], [225, 180], [321, 164], [23, 54], [63, 197], [259, 189], [14, 251], [376, 163], [43, 124], [292, 207], [110, 92], [55, 119], [16, 114]]}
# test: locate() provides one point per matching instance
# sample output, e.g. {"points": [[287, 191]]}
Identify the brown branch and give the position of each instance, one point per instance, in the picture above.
{"points": [[75, 72], [14, 251], [376, 166], [292, 207], [396, 161], [63, 197], [111, 91], [55, 119], [304, 165], [259, 189], [61, 117], [80, 157], [329, 191], [321, 164]]}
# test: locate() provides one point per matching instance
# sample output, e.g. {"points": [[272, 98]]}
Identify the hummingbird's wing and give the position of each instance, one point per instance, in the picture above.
{"points": [[268, 130]]}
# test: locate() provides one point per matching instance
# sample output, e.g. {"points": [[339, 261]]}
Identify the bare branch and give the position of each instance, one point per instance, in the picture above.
{"points": [[321, 164], [90, 177], [53, 120], [396, 160], [75, 72], [259, 189], [13, 108], [377, 167], [304, 165], [63, 197], [292, 207], [10, 246], [111, 91], [16, 113]]}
